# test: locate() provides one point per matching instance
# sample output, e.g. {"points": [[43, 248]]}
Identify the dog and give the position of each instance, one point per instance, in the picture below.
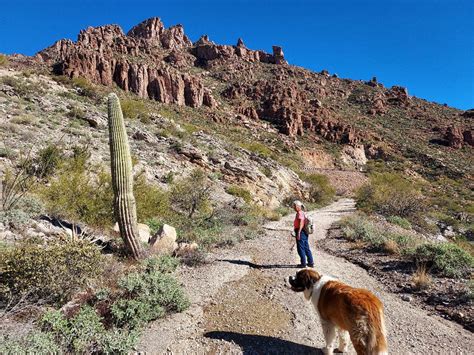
{"points": [[351, 312]]}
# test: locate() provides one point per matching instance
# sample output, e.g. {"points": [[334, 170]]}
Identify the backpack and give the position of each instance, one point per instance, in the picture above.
{"points": [[308, 224]]}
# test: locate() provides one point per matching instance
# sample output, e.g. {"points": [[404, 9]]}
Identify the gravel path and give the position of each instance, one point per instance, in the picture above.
{"points": [[242, 304]]}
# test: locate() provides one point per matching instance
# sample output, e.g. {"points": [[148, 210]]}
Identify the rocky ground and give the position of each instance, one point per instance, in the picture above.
{"points": [[241, 302]]}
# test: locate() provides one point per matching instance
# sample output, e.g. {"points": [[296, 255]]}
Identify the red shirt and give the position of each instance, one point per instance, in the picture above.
{"points": [[299, 218]]}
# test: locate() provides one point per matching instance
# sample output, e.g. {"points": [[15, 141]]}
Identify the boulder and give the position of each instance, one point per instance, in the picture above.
{"points": [[454, 136], [354, 155], [164, 241], [143, 232]]}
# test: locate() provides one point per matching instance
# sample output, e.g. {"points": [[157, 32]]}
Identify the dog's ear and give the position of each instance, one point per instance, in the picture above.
{"points": [[308, 278]]}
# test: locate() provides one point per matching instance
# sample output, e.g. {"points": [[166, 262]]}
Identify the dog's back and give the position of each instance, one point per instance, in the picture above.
{"points": [[359, 312]]}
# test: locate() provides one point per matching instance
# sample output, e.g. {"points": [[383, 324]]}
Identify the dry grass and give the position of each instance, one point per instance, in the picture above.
{"points": [[358, 244], [421, 279], [391, 247]]}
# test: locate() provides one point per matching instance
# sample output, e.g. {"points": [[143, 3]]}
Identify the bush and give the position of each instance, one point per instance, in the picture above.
{"points": [[85, 88], [85, 333], [78, 195], [134, 109], [241, 192], [360, 228], [399, 221], [51, 272], [391, 195], [191, 195], [148, 294], [320, 190], [23, 87], [26, 208], [35, 342], [152, 201], [3, 60], [76, 112], [46, 162], [257, 148], [447, 259], [79, 334]]}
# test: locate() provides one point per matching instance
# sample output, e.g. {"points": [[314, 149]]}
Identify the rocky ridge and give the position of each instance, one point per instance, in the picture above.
{"points": [[164, 65]]}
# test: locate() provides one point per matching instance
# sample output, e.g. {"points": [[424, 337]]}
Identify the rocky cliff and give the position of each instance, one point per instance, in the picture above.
{"points": [[164, 65]]}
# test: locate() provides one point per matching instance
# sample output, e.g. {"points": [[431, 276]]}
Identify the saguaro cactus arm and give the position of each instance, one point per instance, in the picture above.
{"points": [[122, 179]]}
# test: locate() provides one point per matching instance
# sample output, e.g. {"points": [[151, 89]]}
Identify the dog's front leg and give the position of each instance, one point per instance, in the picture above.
{"points": [[329, 331]]}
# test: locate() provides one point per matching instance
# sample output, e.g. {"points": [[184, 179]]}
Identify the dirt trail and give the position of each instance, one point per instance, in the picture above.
{"points": [[241, 303]]}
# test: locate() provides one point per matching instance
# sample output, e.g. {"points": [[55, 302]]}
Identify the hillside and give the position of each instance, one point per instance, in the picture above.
{"points": [[222, 139]]}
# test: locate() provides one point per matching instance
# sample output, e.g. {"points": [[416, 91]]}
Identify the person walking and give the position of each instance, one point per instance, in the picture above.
{"points": [[302, 243]]}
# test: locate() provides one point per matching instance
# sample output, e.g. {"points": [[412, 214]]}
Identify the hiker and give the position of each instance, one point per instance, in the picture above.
{"points": [[302, 244]]}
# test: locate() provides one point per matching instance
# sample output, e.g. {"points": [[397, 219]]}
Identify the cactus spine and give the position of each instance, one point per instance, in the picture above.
{"points": [[122, 179]]}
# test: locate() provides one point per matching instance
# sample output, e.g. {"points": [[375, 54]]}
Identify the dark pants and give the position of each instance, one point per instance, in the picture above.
{"points": [[302, 246]]}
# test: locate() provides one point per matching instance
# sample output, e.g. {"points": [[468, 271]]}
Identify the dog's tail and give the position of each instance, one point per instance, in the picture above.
{"points": [[377, 342]]}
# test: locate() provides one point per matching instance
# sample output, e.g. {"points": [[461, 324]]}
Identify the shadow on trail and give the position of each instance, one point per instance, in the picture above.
{"points": [[257, 266], [261, 344]]}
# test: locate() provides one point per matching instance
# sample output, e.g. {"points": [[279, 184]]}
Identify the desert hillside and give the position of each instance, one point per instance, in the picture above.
{"points": [[222, 139]]}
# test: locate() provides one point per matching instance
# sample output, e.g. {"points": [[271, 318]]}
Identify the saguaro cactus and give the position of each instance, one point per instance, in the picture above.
{"points": [[122, 179]]}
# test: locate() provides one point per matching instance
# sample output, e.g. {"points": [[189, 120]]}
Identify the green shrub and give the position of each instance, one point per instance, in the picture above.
{"points": [[23, 87], [399, 221], [241, 192], [77, 194], [406, 243], [191, 195], [119, 341], [283, 211], [148, 294], [46, 162], [152, 201], [361, 228], [6, 152], [154, 225], [446, 259], [79, 334], [85, 87], [26, 208], [35, 342], [134, 109], [76, 112], [257, 148], [49, 272], [320, 190], [86, 333], [391, 195]]}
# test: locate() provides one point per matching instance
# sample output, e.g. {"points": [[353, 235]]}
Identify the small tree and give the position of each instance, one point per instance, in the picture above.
{"points": [[191, 194]]}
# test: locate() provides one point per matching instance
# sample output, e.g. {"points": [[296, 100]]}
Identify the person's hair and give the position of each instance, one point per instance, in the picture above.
{"points": [[299, 203]]}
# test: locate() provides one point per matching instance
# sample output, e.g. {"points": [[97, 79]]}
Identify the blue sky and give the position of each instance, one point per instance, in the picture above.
{"points": [[425, 45]]}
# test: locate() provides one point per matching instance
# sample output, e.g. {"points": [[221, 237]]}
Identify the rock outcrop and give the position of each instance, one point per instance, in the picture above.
{"points": [[457, 137], [147, 60], [288, 107], [207, 53]]}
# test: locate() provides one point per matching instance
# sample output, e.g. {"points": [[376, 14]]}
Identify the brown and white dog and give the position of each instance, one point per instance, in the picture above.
{"points": [[351, 312]]}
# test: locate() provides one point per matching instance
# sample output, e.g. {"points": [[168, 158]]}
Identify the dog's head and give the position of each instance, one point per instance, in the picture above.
{"points": [[304, 280]]}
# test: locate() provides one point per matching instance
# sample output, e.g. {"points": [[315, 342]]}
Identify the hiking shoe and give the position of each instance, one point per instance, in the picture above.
{"points": [[310, 265]]}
